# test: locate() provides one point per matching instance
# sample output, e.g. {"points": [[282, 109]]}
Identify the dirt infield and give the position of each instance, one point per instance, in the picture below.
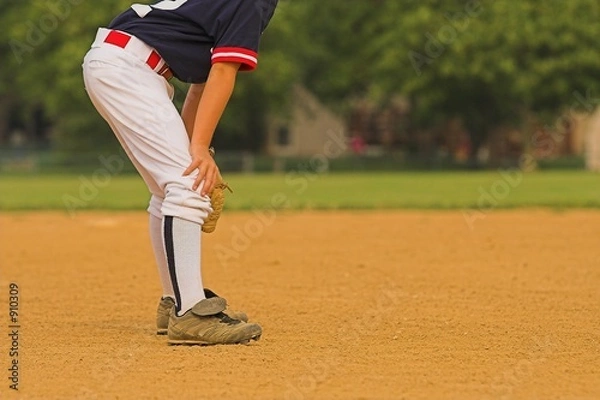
{"points": [[364, 305]]}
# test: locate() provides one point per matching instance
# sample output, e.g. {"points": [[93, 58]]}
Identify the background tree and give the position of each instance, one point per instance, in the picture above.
{"points": [[489, 63]]}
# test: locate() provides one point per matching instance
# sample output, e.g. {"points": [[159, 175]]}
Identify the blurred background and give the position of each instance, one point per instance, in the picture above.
{"points": [[423, 85], [467, 107]]}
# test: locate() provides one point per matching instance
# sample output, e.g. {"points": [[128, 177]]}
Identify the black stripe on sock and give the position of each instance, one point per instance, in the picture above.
{"points": [[170, 250]]}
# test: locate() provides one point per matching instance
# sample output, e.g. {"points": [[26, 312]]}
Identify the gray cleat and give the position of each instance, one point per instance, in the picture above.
{"points": [[207, 324], [166, 303], [162, 315]]}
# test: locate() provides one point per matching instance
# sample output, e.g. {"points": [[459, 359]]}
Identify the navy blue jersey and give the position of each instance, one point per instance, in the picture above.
{"points": [[191, 35]]}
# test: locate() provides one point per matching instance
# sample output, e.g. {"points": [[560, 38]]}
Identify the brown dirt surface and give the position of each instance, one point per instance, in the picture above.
{"points": [[354, 305]]}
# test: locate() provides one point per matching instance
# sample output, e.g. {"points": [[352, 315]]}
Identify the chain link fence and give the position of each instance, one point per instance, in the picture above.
{"points": [[36, 162]]}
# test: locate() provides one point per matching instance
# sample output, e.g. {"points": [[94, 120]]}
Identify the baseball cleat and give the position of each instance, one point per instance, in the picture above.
{"points": [[242, 316], [166, 303], [207, 324], [162, 315]]}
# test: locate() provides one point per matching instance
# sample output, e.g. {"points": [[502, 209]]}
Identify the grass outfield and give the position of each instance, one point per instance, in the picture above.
{"points": [[420, 190]]}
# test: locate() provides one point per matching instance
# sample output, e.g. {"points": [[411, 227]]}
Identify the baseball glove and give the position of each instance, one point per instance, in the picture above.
{"points": [[217, 201]]}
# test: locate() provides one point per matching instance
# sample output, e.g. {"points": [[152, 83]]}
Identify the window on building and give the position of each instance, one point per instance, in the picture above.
{"points": [[283, 136]]}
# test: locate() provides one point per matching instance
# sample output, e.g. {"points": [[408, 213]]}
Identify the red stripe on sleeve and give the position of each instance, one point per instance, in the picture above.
{"points": [[247, 58]]}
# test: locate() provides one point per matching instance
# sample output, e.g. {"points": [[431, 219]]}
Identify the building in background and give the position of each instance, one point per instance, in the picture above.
{"points": [[591, 135], [309, 131]]}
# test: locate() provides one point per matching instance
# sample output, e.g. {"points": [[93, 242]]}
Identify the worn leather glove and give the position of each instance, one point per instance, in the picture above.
{"points": [[217, 201]]}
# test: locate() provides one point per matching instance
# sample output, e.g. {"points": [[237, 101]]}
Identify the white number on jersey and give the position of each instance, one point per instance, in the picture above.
{"points": [[143, 9]]}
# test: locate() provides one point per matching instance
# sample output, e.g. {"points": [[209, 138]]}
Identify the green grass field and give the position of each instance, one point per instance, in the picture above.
{"points": [[412, 190]]}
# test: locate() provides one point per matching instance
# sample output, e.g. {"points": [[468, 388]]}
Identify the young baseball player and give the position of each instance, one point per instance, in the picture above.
{"points": [[126, 74]]}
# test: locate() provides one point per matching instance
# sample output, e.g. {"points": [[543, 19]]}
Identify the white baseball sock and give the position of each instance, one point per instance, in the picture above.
{"points": [[156, 238], [182, 248]]}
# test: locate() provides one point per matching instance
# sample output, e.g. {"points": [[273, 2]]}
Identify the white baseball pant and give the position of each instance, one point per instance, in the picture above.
{"points": [[137, 104]]}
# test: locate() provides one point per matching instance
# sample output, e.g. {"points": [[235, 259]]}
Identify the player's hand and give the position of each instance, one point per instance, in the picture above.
{"points": [[206, 166]]}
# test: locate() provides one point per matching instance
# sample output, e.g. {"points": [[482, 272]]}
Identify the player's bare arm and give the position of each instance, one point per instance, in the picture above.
{"points": [[190, 106], [211, 105]]}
